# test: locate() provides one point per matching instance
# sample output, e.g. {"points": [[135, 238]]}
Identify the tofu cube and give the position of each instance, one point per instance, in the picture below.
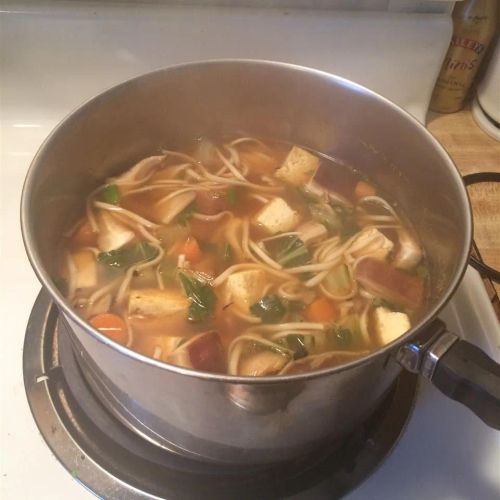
{"points": [[371, 242], [299, 167], [112, 233], [390, 325], [244, 288], [277, 217], [262, 363], [86, 269], [155, 302], [311, 232]]}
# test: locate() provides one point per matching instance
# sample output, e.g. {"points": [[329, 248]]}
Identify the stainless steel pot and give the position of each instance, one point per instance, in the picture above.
{"points": [[238, 419]]}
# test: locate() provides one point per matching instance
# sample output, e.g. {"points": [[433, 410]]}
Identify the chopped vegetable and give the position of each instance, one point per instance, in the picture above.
{"points": [[191, 250], [326, 215], [112, 325], [270, 309], [297, 345], [202, 297], [384, 280], [321, 310], [84, 236], [338, 280], [340, 336], [363, 189], [289, 251], [127, 256], [110, 194], [186, 214]]}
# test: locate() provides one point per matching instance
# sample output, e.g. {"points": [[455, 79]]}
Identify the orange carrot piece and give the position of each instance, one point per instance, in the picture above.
{"points": [[112, 325], [321, 310], [363, 189], [191, 250], [84, 236]]}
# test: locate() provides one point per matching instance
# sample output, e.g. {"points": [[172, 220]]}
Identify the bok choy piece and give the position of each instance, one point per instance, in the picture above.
{"points": [[127, 256], [289, 251], [270, 309], [202, 297]]}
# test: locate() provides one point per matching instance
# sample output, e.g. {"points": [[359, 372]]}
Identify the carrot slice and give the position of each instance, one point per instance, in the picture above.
{"points": [[363, 189], [84, 236], [192, 250], [321, 310], [112, 325]]}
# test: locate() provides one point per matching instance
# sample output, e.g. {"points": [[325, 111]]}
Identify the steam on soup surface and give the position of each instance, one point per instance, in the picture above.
{"points": [[248, 258]]}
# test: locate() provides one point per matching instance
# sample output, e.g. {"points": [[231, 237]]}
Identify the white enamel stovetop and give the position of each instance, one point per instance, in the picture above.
{"points": [[54, 55]]}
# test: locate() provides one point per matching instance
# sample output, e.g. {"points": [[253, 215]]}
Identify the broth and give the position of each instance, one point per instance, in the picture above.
{"points": [[247, 257]]}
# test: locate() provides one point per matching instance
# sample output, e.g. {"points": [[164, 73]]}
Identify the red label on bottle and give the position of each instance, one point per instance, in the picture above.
{"points": [[467, 43]]}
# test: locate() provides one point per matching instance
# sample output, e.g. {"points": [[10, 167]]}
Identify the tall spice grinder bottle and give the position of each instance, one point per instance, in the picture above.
{"points": [[474, 24]]}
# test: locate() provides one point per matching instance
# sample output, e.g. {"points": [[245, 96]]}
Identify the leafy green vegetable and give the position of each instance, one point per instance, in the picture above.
{"points": [[270, 309], [326, 215], [338, 280], [231, 196], [289, 251], [202, 297], [186, 214], [227, 252], [110, 194], [297, 345], [340, 336], [127, 256]]}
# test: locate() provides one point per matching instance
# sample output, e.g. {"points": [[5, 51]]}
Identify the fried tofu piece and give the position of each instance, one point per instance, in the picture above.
{"points": [[277, 217], [245, 287], [370, 241], [390, 325], [155, 302], [299, 167], [86, 269], [112, 233]]}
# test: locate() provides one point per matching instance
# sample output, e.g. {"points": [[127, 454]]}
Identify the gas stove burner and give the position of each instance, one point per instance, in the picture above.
{"points": [[115, 463]]}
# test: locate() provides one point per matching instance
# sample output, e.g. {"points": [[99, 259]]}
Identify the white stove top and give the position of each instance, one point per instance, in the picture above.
{"points": [[56, 55]]}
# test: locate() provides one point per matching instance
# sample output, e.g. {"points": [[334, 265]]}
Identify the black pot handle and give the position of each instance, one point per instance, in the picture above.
{"points": [[485, 270], [458, 369]]}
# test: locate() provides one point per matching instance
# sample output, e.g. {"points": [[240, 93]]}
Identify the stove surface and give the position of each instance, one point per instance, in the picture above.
{"points": [[54, 55]]}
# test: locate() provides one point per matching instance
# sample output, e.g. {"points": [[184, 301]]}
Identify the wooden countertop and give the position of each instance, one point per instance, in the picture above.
{"points": [[473, 150]]}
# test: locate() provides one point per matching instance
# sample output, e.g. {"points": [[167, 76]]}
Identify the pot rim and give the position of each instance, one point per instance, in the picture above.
{"points": [[68, 311]]}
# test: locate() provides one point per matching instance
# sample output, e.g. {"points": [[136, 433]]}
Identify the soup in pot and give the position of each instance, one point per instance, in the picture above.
{"points": [[246, 257]]}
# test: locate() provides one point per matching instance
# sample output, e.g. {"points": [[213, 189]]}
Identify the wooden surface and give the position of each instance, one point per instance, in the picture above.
{"points": [[474, 151]]}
